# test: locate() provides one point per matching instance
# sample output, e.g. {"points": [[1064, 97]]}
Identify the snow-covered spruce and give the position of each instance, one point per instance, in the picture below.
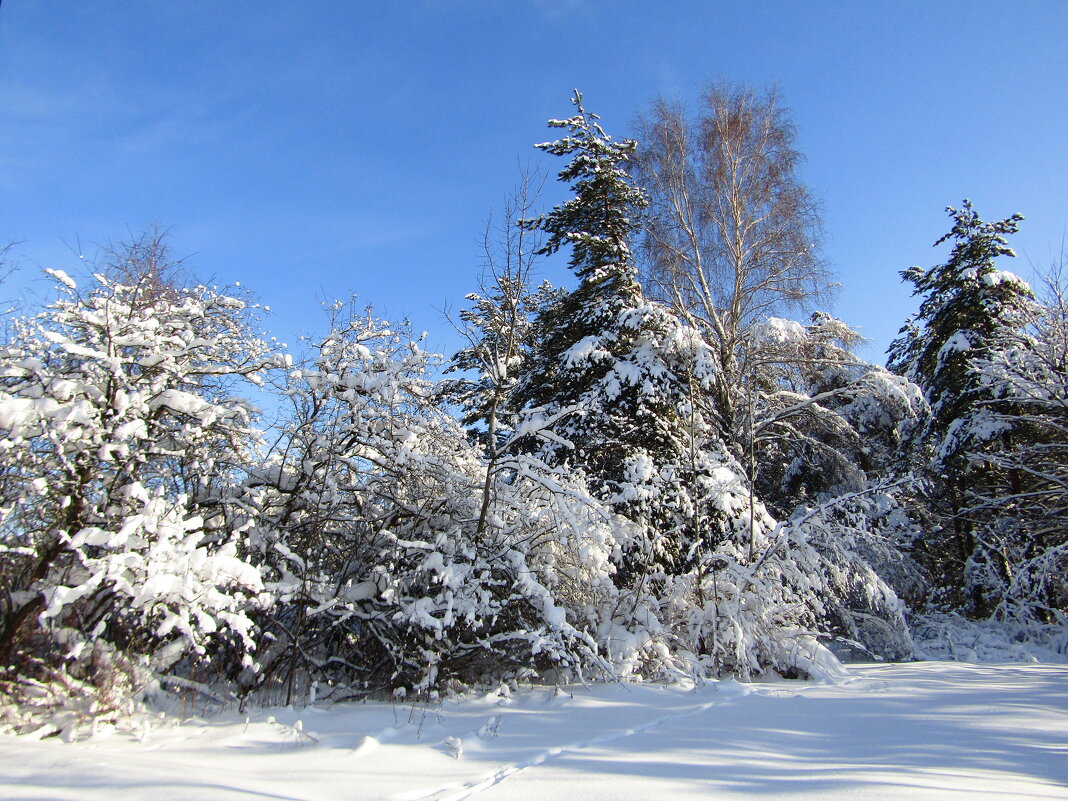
{"points": [[970, 312]]}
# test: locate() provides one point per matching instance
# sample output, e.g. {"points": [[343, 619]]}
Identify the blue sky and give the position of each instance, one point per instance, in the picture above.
{"points": [[315, 148]]}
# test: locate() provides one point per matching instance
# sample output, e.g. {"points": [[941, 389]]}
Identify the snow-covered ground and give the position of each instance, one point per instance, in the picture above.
{"points": [[927, 730]]}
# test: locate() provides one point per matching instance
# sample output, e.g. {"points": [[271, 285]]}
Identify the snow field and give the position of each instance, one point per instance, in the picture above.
{"points": [[931, 730]]}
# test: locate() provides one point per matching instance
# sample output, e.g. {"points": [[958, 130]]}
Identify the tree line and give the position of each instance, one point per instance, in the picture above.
{"points": [[659, 472]]}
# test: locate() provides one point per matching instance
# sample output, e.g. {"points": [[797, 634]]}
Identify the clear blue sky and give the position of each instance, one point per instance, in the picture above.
{"points": [[307, 149]]}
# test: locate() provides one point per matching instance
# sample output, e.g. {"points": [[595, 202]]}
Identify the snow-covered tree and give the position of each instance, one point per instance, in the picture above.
{"points": [[969, 310], [821, 421], [710, 573], [1021, 555], [391, 573], [621, 370], [121, 445], [500, 328], [732, 234], [731, 242]]}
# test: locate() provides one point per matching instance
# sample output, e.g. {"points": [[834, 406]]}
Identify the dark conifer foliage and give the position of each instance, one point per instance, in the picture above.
{"points": [[969, 311], [621, 368], [600, 219], [969, 307]]}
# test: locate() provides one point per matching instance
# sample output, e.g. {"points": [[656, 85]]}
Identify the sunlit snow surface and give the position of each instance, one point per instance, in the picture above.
{"points": [[928, 730]]}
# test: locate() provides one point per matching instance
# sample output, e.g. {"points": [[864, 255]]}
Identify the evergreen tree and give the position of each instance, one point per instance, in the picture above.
{"points": [[624, 371], [969, 310], [706, 569], [598, 222]]}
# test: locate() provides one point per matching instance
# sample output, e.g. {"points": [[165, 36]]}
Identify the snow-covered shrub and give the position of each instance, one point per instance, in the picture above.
{"points": [[79, 687], [120, 445], [765, 596], [862, 541], [950, 636], [820, 422], [369, 517], [1020, 435], [794, 443]]}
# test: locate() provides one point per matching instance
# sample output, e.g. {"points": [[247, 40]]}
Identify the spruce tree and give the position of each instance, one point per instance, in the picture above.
{"points": [[969, 310], [598, 223], [703, 568], [968, 307], [625, 372]]}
